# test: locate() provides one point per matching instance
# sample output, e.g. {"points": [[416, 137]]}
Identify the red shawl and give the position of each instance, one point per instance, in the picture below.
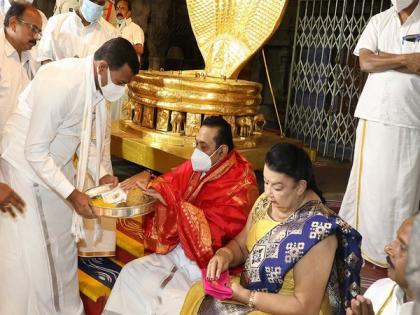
{"points": [[203, 214]]}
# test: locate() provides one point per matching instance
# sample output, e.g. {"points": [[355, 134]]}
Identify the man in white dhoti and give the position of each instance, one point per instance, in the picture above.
{"points": [[384, 184], [52, 123], [393, 295], [79, 34], [204, 203], [17, 68]]}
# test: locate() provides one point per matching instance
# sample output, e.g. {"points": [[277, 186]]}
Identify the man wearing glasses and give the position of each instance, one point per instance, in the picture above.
{"points": [[22, 30]]}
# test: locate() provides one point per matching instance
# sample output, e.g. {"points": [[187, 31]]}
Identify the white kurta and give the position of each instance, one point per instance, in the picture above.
{"points": [[388, 297], [155, 284], [384, 184], [39, 258], [132, 32], [65, 36], [15, 75]]}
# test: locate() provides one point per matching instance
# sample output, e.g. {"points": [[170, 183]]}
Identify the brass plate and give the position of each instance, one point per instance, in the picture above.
{"points": [[119, 212]]}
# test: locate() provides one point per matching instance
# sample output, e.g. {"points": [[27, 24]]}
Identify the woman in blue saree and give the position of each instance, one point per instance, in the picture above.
{"points": [[299, 257]]}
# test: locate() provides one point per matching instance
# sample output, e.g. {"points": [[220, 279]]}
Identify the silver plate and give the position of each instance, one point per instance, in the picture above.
{"points": [[119, 212]]}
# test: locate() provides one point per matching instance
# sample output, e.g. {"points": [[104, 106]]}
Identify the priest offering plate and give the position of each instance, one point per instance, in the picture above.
{"points": [[109, 201]]}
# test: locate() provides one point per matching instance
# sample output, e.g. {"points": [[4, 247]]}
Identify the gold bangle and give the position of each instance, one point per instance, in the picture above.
{"points": [[251, 300]]}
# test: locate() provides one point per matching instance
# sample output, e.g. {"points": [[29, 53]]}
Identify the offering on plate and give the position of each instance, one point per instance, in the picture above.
{"points": [[115, 202]]}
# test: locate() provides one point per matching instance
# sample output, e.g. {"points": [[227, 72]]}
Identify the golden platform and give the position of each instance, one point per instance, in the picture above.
{"points": [[162, 156]]}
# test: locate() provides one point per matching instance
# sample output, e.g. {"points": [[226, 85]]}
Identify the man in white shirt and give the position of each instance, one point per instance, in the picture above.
{"points": [[127, 28], [52, 123], [390, 296], [75, 34], [22, 30], [384, 184], [80, 34]]}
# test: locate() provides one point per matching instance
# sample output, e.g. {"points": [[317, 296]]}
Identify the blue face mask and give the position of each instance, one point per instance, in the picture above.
{"points": [[91, 11]]}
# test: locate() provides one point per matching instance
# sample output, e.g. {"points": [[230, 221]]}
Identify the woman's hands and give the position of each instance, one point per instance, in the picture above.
{"points": [[219, 263], [240, 294]]}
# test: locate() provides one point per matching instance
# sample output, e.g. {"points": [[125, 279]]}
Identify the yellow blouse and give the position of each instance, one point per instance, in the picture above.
{"points": [[261, 225]]}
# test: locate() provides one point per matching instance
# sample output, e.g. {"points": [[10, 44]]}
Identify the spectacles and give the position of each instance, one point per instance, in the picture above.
{"points": [[34, 29]]}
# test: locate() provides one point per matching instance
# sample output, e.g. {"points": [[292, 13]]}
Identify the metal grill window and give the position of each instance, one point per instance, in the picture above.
{"points": [[325, 80]]}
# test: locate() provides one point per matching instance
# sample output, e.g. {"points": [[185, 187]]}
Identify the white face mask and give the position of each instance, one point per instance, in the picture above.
{"points": [[111, 91], [91, 11], [200, 161], [401, 4]]}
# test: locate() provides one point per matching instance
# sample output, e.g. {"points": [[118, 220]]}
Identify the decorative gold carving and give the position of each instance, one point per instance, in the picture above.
{"points": [[177, 120], [148, 117], [259, 123], [127, 108], [162, 123], [192, 124], [232, 122], [229, 32], [137, 113], [245, 125], [183, 92]]}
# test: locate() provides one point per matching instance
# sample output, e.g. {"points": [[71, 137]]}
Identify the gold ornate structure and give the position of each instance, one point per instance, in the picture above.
{"points": [[229, 32], [169, 107]]}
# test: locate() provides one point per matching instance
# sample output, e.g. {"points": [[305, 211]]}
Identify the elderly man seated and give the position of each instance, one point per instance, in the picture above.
{"points": [[204, 203], [390, 296]]}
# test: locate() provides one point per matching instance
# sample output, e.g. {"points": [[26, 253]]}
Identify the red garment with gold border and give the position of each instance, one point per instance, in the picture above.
{"points": [[202, 213]]}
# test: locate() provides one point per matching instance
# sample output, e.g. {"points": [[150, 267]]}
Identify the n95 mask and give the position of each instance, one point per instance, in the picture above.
{"points": [[200, 161], [111, 91]]}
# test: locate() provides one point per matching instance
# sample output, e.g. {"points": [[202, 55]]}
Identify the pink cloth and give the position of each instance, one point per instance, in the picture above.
{"points": [[219, 289]]}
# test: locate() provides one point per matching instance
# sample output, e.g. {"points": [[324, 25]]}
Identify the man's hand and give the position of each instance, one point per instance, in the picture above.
{"points": [[360, 306], [10, 201], [80, 203], [141, 180], [153, 193], [413, 62], [109, 179]]}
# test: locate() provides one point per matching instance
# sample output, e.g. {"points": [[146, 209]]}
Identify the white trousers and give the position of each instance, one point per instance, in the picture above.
{"points": [[384, 185], [38, 261], [155, 284]]}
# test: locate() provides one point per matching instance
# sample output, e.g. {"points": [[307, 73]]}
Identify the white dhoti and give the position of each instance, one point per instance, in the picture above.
{"points": [[155, 284], [384, 185], [38, 263]]}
